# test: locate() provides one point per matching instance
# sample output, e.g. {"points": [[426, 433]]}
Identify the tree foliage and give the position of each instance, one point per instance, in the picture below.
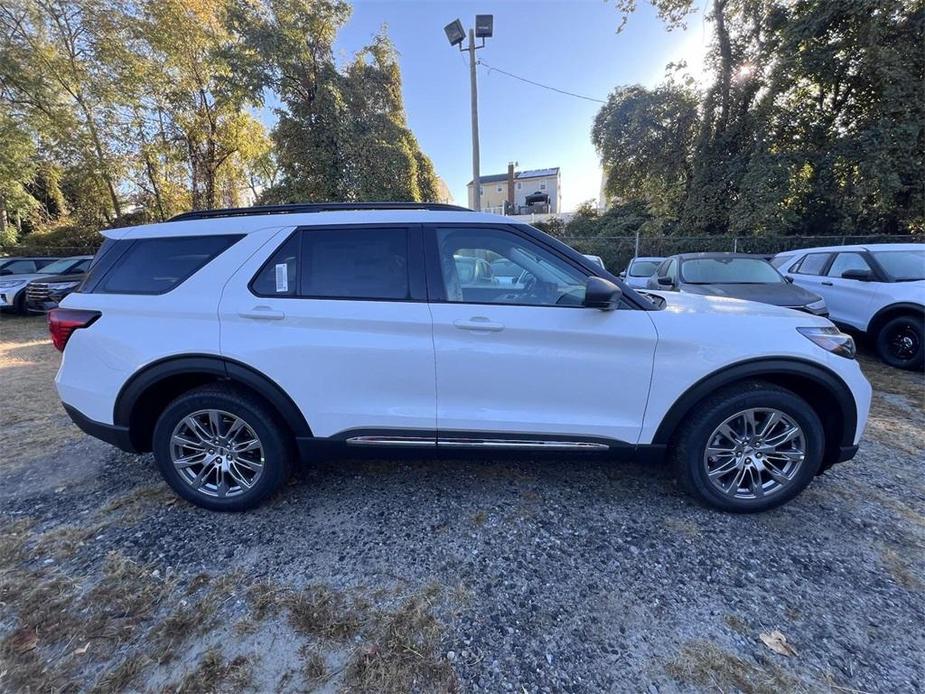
{"points": [[119, 111], [813, 123]]}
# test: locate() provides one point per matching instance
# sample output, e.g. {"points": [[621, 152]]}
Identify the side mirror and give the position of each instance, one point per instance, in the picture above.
{"points": [[788, 278], [602, 294], [665, 282], [859, 275], [622, 275]]}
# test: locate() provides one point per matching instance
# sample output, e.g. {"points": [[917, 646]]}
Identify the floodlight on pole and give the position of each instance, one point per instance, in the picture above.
{"points": [[484, 28]]}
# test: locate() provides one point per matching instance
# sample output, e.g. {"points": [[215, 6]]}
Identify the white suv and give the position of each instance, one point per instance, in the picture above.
{"points": [[232, 342], [878, 289]]}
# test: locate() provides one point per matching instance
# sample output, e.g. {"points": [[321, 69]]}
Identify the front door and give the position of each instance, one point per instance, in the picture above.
{"points": [[524, 359], [338, 317]]}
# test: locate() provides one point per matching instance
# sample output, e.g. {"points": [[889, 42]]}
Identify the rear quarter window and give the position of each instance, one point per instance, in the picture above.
{"points": [[153, 266]]}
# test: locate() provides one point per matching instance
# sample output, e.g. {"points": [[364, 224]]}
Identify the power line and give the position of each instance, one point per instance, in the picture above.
{"points": [[537, 84]]}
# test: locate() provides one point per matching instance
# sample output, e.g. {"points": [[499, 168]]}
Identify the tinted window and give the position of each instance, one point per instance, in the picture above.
{"points": [[279, 275], [354, 264], [780, 260], [18, 267], [812, 264], [467, 257], [847, 261], [729, 271], [903, 266], [643, 268], [155, 266], [60, 267]]}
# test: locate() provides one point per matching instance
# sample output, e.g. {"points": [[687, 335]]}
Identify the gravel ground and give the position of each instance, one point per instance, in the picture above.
{"points": [[451, 575]]}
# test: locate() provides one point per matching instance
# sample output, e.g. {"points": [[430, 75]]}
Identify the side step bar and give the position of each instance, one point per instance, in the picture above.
{"points": [[420, 441]]}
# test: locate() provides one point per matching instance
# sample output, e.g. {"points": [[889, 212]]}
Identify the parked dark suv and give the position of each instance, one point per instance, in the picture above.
{"points": [[61, 278]]}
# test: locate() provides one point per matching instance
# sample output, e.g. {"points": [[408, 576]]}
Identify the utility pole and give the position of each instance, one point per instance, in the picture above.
{"points": [[455, 34], [474, 87]]}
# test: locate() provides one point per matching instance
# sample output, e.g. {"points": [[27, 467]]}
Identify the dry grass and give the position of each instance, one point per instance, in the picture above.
{"points": [[897, 416], [215, 674], [403, 654], [900, 570], [31, 416], [705, 665], [315, 668], [322, 612], [65, 541], [139, 501]]}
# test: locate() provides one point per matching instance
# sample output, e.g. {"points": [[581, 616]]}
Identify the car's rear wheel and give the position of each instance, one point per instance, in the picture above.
{"points": [[750, 447], [901, 342], [222, 448]]}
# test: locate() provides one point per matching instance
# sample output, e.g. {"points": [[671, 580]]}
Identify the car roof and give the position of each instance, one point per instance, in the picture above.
{"points": [[245, 224], [648, 257], [858, 247]]}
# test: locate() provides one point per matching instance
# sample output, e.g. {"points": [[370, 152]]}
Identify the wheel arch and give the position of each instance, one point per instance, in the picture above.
{"points": [[148, 391], [887, 313], [823, 390]]}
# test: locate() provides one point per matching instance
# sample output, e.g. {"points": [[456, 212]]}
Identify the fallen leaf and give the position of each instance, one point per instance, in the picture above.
{"points": [[82, 649], [25, 640], [777, 642]]}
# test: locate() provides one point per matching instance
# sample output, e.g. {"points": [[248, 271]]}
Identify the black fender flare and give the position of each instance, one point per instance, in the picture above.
{"points": [[220, 367], [880, 317], [817, 375]]}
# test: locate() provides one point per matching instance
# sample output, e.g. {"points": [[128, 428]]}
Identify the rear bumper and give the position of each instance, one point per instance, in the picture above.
{"points": [[117, 436]]}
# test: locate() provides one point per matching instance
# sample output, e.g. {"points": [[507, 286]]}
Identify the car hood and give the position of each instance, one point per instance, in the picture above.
{"points": [[23, 278], [677, 302], [783, 294], [61, 278]]}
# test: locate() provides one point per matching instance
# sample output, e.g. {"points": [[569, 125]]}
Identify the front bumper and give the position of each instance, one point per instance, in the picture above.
{"points": [[117, 436], [8, 297]]}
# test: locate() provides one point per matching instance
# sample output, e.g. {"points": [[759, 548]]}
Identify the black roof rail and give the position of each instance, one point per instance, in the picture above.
{"points": [[302, 207]]}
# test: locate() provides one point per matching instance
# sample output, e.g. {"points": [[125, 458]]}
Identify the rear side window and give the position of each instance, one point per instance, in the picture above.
{"points": [[355, 264], [155, 266], [279, 276], [812, 264]]}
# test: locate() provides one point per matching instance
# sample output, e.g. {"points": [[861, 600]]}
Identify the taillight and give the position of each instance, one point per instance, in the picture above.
{"points": [[63, 321]]}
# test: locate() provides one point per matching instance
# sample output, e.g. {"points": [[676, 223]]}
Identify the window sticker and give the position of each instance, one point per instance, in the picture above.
{"points": [[282, 278]]}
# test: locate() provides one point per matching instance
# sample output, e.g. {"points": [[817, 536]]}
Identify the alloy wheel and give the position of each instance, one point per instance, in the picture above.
{"points": [[754, 453], [904, 342], [216, 453]]}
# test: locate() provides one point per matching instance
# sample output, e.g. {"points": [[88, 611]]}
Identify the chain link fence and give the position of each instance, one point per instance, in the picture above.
{"points": [[617, 251]]}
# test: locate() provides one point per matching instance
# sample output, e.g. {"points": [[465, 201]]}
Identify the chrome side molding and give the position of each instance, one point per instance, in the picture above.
{"points": [[391, 441], [518, 443]]}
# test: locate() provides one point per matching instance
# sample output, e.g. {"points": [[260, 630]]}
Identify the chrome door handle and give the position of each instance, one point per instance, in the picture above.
{"points": [[826, 284], [479, 323], [262, 313]]}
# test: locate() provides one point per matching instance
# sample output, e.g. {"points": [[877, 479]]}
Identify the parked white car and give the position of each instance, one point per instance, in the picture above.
{"points": [[231, 342], [639, 270], [877, 289]]}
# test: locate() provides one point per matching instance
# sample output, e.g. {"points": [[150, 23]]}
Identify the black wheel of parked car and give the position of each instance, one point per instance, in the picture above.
{"points": [[222, 448], [749, 447], [901, 342]]}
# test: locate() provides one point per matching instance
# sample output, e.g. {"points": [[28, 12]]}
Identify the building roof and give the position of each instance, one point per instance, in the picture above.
{"points": [[518, 175]]}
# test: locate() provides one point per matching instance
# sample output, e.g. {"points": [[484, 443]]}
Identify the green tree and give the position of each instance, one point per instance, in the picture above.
{"points": [[17, 170]]}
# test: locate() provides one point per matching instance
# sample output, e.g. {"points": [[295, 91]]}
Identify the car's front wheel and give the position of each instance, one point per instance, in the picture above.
{"points": [[749, 447], [901, 342], [221, 448]]}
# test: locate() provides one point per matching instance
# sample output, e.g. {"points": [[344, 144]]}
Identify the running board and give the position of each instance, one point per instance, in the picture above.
{"points": [[419, 441]]}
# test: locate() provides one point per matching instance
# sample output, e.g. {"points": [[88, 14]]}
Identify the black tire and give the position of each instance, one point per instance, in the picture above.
{"points": [[19, 304], [689, 445], [901, 342], [274, 436]]}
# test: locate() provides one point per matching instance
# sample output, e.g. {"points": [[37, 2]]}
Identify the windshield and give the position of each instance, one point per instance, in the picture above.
{"points": [[903, 266], [643, 268], [729, 271], [59, 266]]}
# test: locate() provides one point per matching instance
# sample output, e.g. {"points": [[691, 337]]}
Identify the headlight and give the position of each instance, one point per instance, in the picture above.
{"points": [[60, 286], [831, 339], [6, 284], [817, 305]]}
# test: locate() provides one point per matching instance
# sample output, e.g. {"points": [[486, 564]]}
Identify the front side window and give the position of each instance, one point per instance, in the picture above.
{"points": [[903, 266], [729, 271], [60, 267], [812, 264], [155, 266], [18, 267], [354, 263], [528, 274], [847, 261]]}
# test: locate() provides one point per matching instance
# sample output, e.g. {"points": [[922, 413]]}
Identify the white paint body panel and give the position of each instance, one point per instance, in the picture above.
{"points": [[700, 335], [346, 364], [551, 370]]}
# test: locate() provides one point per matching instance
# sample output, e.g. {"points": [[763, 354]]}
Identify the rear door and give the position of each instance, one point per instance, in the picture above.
{"points": [[526, 361], [337, 317]]}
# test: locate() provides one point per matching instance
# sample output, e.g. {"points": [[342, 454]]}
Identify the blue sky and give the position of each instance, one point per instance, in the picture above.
{"points": [[570, 44]]}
